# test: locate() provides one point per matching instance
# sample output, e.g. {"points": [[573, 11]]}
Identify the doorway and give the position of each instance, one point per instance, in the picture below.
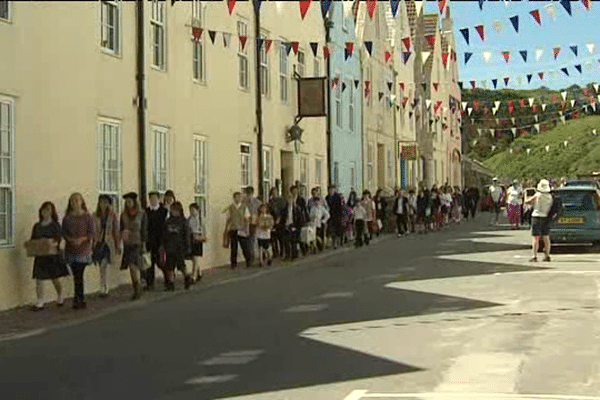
{"points": [[287, 171]]}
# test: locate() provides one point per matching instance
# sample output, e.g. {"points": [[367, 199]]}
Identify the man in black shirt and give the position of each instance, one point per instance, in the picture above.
{"points": [[157, 215]]}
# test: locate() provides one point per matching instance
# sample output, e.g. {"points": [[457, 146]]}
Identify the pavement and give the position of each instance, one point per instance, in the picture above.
{"points": [[456, 314]]}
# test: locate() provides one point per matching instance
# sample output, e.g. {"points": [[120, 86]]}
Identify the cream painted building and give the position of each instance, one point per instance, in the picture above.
{"points": [[68, 105]]}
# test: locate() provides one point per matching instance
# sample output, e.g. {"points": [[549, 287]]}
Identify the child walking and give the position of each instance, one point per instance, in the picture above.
{"points": [[176, 242], [198, 239], [265, 224]]}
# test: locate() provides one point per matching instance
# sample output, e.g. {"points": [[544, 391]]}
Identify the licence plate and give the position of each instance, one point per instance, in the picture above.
{"points": [[571, 220]]}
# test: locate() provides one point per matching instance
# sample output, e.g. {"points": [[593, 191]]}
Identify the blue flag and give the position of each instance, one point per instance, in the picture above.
{"points": [[578, 68], [529, 78], [524, 55], [325, 4], [394, 6], [495, 83], [369, 47], [567, 5], [465, 33], [565, 70], [405, 56], [515, 22], [574, 50], [481, 4], [467, 57]]}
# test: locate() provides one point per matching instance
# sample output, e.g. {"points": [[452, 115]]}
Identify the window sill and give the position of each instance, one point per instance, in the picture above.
{"points": [[112, 54], [245, 90], [7, 246], [158, 69], [6, 21], [199, 82]]}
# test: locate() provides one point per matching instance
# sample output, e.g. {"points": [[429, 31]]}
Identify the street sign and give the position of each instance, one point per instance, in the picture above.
{"points": [[311, 97]]}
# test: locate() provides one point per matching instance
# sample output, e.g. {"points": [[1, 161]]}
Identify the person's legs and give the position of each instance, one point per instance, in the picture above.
{"points": [[78, 273], [103, 269], [134, 272], [233, 243], [246, 246], [39, 291], [546, 247], [535, 242], [59, 293], [399, 224], [360, 226]]}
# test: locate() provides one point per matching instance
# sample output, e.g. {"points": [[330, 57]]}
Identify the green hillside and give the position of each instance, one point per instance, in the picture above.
{"points": [[580, 156]]}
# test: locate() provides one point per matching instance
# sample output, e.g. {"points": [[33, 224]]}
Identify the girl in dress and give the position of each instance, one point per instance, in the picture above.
{"points": [[176, 242], [265, 223], [197, 230], [52, 266], [107, 237], [134, 232]]}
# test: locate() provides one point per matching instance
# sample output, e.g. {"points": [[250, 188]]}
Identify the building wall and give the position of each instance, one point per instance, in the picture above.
{"points": [[346, 146], [63, 84]]}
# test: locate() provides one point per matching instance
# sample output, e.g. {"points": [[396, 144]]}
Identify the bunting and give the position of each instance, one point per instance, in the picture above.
{"points": [[537, 16], [524, 55], [304, 5], [481, 31], [371, 5], [369, 47], [515, 22], [465, 33]]}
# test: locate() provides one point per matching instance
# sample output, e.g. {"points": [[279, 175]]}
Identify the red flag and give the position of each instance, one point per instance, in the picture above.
{"points": [[367, 88], [402, 85], [556, 52], [388, 55], [486, 111], [554, 98], [473, 85], [350, 47], [404, 101], [304, 4], [534, 108], [406, 42], [243, 41], [536, 15], [585, 91], [476, 105], [435, 85], [371, 5], [480, 29], [230, 4], [430, 40], [586, 3], [295, 46], [522, 103], [442, 5], [506, 55], [326, 52], [197, 33], [445, 59], [268, 44], [541, 75], [437, 105]]}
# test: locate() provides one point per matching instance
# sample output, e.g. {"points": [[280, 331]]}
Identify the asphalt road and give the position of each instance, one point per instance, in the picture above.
{"points": [[420, 314]]}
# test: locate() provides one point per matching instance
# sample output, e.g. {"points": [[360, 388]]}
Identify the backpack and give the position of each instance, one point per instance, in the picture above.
{"points": [[555, 208]]}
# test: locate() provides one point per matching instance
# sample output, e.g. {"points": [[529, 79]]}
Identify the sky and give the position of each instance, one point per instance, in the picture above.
{"points": [[577, 30]]}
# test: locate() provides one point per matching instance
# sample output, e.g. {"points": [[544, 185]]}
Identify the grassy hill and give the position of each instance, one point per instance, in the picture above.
{"points": [[580, 156]]}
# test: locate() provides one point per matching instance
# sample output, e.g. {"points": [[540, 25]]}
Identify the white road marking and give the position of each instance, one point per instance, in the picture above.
{"points": [[306, 308], [234, 358], [337, 295], [243, 353], [474, 396], [210, 379], [356, 395]]}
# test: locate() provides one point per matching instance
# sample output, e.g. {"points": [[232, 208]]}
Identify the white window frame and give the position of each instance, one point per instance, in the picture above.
{"points": [[198, 48], [7, 136], [265, 77], [317, 67], [338, 102], [391, 176], [114, 48], [160, 161], [245, 159], [344, 17], [158, 30], [284, 92], [267, 170], [8, 11], [318, 172], [304, 175], [351, 115], [243, 63], [301, 69], [370, 163], [201, 156], [108, 151]]}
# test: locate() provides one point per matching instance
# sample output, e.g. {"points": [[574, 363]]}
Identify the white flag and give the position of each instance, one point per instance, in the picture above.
{"points": [[537, 127], [494, 110], [514, 131], [572, 103], [497, 26], [599, 97], [514, 121], [497, 121], [424, 54], [486, 56], [492, 133], [594, 132], [560, 112], [538, 54], [464, 105], [226, 39], [531, 100], [497, 104], [564, 95], [511, 151], [493, 147], [547, 148], [427, 103], [591, 47], [563, 119], [474, 142], [551, 10], [543, 107], [469, 110], [528, 151], [419, 7], [536, 118], [479, 131], [566, 142]]}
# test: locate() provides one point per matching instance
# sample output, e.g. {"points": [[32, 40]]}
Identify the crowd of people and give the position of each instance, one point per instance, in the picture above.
{"points": [[283, 226]]}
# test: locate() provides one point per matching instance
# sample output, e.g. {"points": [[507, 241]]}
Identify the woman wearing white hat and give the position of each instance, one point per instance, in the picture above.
{"points": [[540, 223], [514, 199]]}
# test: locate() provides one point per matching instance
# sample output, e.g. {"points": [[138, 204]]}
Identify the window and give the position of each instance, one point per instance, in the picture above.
{"points": [[242, 29], [317, 67], [351, 106], [5, 9], [264, 69], [370, 163], [110, 24], [338, 102], [201, 174], [353, 174], [336, 174], [267, 171], [245, 165], [109, 160], [318, 172], [283, 71], [157, 23], [301, 63], [304, 176], [160, 159], [7, 175], [198, 58], [391, 167]]}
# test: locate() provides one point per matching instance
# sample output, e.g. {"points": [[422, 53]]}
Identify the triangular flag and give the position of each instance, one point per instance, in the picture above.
{"points": [[481, 30], [487, 55], [406, 42], [371, 5], [445, 59], [497, 26], [574, 50], [529, 76], [425, 55], [469, 110], [197, 33], [212, 35], [495, 83], [387, 56], [565, 70], [295, 46], [436, 85], [465, 33], [538, 54], [257, 4], [586, 4], [506, 55], [390, 86], [481, 4], [596, 87], [243, 41], [356, 83], [497, 103], [326, 52], [572, 103], [394, 7], [325, 4], [524, 55], [404, 101], [406, 56], [551, 9], [514, 131], [536, 118], [531, 100], [506, 81], [515, 22], [430, 40], [315, 47], [556, 51], [343, 86], [548, 148], [424, 86], [591, 47], [536, 15], [537, 127], [230, 4], [427, 103], [472, 84], [380, 95], [369, 47], [259, 42], [441, 5], [578, 68], [464, 105], [367, 88], [467, 57], [401, 85], [541, 75], [528, 150], [350, 47], [544, 107], [513, 120], [304, 4], [226, 39], [460, 85], [567, 6]]}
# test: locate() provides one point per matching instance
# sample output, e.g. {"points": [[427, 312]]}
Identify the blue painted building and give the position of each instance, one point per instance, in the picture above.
{"points": [[346, 101]]}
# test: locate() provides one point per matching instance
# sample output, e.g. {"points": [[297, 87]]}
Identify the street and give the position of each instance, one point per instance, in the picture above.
{"points": [[454, 314]]}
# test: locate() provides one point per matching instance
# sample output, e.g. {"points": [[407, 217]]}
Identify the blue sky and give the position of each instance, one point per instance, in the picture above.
{"points": [[565, 31]]}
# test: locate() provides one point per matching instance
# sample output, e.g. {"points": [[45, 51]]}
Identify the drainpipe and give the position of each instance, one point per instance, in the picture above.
{"points": [[396, 147], [362, 124], [259, 119], [141, 100], [328, 25]]}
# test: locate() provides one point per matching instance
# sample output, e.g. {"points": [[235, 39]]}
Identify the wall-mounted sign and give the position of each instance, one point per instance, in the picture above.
{"points": [[407, 152], [312, 97]]}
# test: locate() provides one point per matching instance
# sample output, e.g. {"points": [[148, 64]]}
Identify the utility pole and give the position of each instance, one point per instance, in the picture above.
{"points": [[141, 99], [259, 118], [328, 25], [396, 145]]}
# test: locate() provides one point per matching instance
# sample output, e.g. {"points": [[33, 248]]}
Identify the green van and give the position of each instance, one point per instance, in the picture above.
{"points": [[578, 220]]}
